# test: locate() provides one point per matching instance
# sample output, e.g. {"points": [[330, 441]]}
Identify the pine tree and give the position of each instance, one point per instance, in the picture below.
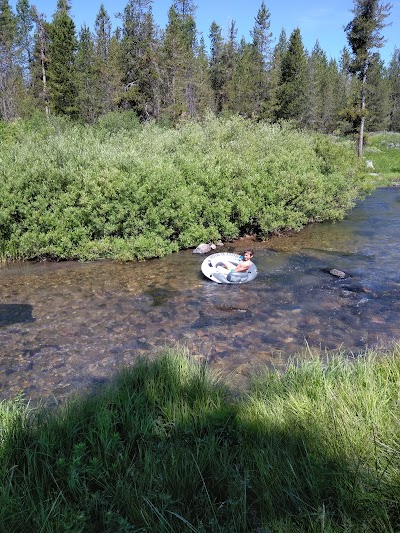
{"points": [[345, 71], [271, 106], [39, 64], [261, 56], [245, 84], [204, 98], [293, 89], [139, 59], [9, 72], [24, 38], [107, 63], [394, 85], [184, 8], [230, 61], [323, 83], [346, 96], [61, 66], [217, 70], [331, 116], [86, 79], [178, 62], [317, 71], [363, 35], [377, 94]]}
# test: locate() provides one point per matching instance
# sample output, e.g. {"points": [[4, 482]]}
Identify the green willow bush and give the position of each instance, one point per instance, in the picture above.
{"points": [[72, 191]]}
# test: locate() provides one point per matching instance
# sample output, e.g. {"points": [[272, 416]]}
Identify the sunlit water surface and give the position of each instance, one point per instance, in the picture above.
{"points": [[69, 326]]}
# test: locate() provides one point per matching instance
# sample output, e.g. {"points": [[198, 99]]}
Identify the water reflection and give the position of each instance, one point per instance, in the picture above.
{"points": [[73, 324]]}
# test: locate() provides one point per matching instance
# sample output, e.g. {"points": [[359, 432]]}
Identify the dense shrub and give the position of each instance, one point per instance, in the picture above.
{"points": [[124, 191]]}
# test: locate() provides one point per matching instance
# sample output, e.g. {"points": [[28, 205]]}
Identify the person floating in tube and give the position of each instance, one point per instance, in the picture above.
{"points": [[243, 266]]}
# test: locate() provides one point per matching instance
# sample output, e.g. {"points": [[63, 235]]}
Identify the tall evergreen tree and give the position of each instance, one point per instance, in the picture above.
{"points": [[394, 85], [9, 72], [317, 71], [217, 68], [61, 67], [261, 56], [178, 61], [102, 27], [261, 34], [293, 89], [345, 71], [85, 77], [332, 113], [39, 64], [377, 95], [107, 63], [230, 61], [347, 95], [282, 44], [246, 86], [322, 104], [184, 8], [271, 107], [363, 35], [24, 37], [139, 59], [204, 98]]}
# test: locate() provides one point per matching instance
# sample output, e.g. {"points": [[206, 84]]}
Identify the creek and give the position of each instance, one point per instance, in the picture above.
{"points": [[67, 327]]}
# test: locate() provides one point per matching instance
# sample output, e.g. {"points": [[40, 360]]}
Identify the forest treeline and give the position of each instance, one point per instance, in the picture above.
{"points": [[167, 74]]}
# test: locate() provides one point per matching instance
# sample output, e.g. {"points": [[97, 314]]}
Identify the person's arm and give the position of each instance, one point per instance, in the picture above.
{"points": [[242, 267]]}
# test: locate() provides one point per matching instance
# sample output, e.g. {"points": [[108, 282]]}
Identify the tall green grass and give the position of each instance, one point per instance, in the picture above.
{"points": [[167, 448], [383, 149], [107, 191]]}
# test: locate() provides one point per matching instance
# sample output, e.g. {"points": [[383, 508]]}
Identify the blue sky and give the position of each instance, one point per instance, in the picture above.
{"points": [[316, 20]]}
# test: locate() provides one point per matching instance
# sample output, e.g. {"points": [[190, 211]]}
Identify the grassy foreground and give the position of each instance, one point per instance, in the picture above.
{"points": [[166, 448]]}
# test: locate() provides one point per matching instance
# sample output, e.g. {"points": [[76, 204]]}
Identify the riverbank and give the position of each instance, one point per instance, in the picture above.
{"points": [[76, 192], [168, 447], [383, 152]]}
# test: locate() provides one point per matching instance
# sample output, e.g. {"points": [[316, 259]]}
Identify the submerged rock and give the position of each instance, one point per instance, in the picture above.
{"points": [[337, 273]]}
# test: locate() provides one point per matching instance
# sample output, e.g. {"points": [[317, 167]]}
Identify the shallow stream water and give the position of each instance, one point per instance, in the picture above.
{"points": [[69, 326]]}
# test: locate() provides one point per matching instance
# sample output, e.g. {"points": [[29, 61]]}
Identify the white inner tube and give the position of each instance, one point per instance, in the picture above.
{"points": [[213, 267]]}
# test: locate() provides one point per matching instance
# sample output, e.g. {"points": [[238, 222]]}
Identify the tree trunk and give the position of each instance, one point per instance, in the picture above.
{"points": [[362, 123], [361, 136], [42, 51], [8, 98], [44, 81]]}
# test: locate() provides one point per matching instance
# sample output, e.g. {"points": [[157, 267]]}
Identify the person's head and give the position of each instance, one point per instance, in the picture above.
{"points": [[248, 254]]}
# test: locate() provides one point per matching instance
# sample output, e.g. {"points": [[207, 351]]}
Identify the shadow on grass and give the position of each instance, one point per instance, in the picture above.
{"points": [[166, 448]]}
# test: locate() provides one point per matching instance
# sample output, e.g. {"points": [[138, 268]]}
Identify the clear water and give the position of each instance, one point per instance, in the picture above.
{"points": [[67, 327]]}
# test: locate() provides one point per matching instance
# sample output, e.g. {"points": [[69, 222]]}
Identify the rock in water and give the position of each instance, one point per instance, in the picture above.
{"points": [[202, 248], [337, 273]]}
